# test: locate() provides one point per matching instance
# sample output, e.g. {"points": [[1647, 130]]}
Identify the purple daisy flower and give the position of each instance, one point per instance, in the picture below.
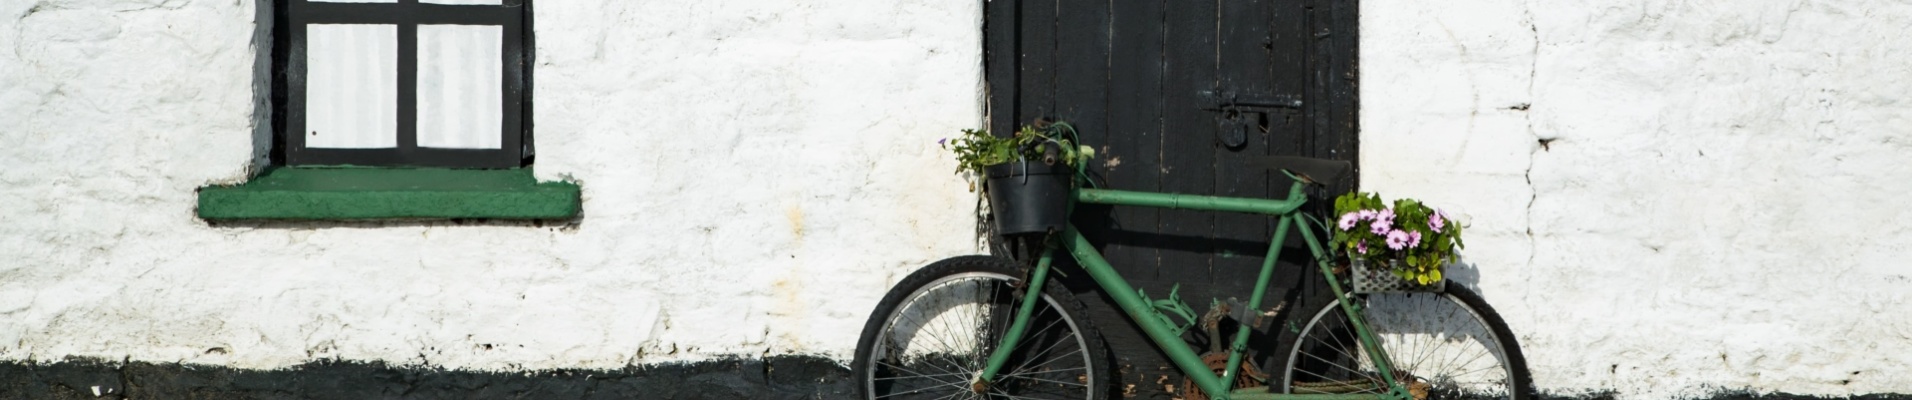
{"points": [[1397, 240], [1349, 220]]}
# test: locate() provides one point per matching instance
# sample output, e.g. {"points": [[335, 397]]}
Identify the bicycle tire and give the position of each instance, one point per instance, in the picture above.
{"points": [[972, 298], [1431, 339]]}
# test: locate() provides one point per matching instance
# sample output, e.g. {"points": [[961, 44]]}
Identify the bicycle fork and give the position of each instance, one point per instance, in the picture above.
{"points": [[1032, 292]]}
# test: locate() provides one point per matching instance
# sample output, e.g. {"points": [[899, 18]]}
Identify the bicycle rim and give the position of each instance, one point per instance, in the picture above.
{"points": [[1439, 346], [939, 339]]}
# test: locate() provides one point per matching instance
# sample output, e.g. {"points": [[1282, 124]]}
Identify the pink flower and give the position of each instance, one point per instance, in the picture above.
{"points": [[1366, 214], [1414, 239], [1380, 227], [1361, 247], [1397, 240], [1348, 220], [1435, 221], [1385, 216]]}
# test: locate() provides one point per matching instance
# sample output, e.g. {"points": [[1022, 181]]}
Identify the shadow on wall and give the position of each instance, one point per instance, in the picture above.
{"points": [[268, 46], [1465, 274]]}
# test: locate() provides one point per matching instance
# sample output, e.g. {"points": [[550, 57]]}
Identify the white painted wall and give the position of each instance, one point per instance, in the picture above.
{"points": [[1718, 207], [1721, 205], [756, 174]]}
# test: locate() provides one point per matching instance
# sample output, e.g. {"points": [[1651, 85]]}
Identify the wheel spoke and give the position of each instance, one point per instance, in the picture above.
{"points": [[1044, 351], [937, 338], [1045, 372], [1368, 376], [1045, 363], [958, 385], [1052, 381], [920, 377], [1436, 338], [918, 374]]}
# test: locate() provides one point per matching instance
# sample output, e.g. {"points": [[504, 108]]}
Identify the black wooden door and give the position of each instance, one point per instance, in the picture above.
{"points": [[1139, 79]]}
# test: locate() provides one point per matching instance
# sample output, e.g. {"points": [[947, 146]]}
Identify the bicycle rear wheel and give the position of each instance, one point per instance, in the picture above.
{"points": [[1447, 345], [934, 332]]}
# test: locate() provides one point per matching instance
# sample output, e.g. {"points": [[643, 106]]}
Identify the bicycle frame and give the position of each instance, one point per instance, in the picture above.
{"points": [[1158, 330]]}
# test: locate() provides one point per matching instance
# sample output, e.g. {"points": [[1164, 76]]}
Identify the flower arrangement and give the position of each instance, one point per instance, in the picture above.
{"points": [[1422, 238], [1044, 141]]}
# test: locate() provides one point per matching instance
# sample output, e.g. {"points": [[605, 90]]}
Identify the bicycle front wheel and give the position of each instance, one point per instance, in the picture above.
{"points": [[1447, 345], [933, 333]]}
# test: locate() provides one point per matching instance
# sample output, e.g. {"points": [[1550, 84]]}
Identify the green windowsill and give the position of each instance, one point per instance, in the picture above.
{"points": [[349, 193]]}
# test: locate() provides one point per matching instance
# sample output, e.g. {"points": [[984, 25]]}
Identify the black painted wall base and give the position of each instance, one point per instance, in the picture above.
{"points": [[780, 377], [774, 378]]}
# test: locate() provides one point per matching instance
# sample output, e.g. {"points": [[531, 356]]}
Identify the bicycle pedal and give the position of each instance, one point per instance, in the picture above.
{"points": [[1239, 311]]}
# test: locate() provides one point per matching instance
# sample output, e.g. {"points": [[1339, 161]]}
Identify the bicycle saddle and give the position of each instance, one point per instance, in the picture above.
{"points": [[1320, 171]]}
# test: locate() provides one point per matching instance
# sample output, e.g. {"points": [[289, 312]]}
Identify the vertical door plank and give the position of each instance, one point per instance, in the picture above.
{"points": [[1343, 70], [1188, 139], [1082, 68], [1133, 161], [1082, 92], [1000, 58], [1036, 87], [1292, 133], [1333, 27], [1291, 49], [1133, 157], [1245, 68]]}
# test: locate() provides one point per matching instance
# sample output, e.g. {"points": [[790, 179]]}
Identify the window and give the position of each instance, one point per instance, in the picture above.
{"points": [[402, 83], [433, 93]]}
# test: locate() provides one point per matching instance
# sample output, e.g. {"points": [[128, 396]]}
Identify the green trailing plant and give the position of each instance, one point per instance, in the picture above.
{"points": [[1044, 142], [1422, 238]]}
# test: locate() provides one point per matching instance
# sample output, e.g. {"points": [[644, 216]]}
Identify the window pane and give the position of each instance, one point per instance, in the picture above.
{"points": [[460, 86], [351, 96], [483, 2]]}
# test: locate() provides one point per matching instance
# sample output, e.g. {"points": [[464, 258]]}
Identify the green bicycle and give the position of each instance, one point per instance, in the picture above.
{"points": [[980, 327]]}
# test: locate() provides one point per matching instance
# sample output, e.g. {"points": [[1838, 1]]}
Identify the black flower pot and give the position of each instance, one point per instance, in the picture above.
{"points": [[1029, 197]]}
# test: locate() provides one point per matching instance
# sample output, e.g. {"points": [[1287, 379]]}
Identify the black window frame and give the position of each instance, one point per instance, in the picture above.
{"points": [[292, 17]]}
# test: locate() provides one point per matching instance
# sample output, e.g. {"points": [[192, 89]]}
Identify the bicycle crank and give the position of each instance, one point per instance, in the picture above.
{"points": [[1248, 377]]}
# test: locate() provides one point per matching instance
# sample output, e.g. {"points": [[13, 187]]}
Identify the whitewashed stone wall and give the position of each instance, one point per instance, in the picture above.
{"points": [[1667, 198], [756, 174]]}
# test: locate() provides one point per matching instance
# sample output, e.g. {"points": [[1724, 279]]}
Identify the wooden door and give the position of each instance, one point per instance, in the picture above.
{"points": [[1141, 79]]}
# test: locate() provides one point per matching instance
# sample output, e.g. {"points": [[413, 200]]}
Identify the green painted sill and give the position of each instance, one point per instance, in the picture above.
{"points": [[390, 193]]}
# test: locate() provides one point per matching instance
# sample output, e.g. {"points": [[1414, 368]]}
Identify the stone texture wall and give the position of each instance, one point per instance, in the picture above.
{"points": [[755, 174], [1667, 198]]}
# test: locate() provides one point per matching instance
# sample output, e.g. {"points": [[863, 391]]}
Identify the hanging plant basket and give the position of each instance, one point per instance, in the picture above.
{"points": [[1376, 278], [1029, 197]]}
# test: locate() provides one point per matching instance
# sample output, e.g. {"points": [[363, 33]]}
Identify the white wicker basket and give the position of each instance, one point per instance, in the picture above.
{"points": [[1379, 279]]}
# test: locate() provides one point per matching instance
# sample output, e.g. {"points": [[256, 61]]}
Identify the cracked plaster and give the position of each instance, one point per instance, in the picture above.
{"points": [[1665, 199]]}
